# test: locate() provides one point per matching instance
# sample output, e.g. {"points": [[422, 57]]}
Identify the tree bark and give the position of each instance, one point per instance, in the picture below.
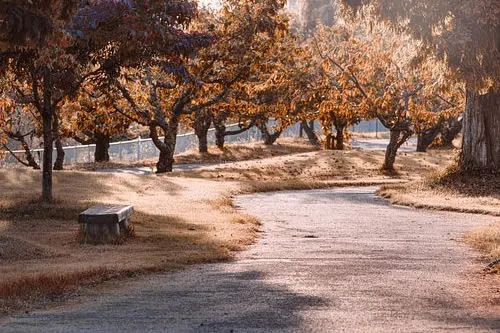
{"points": [[269, 139], [311, 135], [167, 147], [47, 157], [102, 143], [396, 140], [340, 137], [329, 141], [426, 138], [30, 159], [449, 131], [202, 123], [59, 163], [220, 130], [481, 133]]}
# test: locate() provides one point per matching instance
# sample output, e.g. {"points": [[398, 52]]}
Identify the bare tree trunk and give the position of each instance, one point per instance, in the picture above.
{"points": [[449, 131], [167, 148], [102, 143], [47, 157], [311, 135], [29, 156], [269, 139], [220, 130], [59, 163], [481, 133], [329, 141], [340, 137], [202, 122], [30, 159], [426, 138], [397, 139]]}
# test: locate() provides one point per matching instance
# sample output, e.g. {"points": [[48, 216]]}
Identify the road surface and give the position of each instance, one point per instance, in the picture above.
{"points": [[328, 261]]}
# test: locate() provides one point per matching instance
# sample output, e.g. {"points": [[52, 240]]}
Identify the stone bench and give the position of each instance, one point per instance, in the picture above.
{"points": [[105, 222]]}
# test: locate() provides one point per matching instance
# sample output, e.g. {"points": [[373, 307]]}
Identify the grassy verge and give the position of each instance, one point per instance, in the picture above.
{"points": [[478, 194], [42, 258]]}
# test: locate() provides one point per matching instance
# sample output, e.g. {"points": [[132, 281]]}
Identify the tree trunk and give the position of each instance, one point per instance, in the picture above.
{"points": [[311, 135], [102, 143], [340, 137], [269, 139], [329, 141], [31, 162], [220, 131], [30, 158], [47, 157], [481, 133], [59, 163], [391, 151], [426, 138], [202, 123], [395, 142], [449, 131], [167, 150]]}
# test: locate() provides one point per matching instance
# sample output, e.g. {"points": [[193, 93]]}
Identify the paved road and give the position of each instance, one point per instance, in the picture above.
{"points": [[381, 144], [328, 261]]}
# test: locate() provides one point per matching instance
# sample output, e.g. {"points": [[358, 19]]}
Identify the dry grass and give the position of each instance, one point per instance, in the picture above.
{"points": [[295, 185], [479, 194], [173, 225], [246, 152], [486, 239], [320, 166]]}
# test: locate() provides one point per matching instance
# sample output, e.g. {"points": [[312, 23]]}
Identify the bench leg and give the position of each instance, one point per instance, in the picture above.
{"points": [[102, 233], [124, 226]]}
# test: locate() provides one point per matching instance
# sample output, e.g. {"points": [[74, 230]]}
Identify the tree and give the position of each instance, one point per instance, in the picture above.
{"points": [[373, 76], [17, 126], [101, 37], [92, 119], [27, 24], [465, 35], [213, 77]]}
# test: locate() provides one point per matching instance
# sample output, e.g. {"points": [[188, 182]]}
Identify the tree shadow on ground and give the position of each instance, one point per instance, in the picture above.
{"points": [[212, 300]]}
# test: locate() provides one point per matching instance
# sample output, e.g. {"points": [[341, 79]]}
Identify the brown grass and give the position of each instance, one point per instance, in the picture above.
{"points": [[448, 190], [486, 239], [174, 226], [321, 166], [292, 185]]}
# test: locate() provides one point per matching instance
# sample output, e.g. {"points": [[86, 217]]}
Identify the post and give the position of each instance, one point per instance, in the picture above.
{"points": [[88, 152]]}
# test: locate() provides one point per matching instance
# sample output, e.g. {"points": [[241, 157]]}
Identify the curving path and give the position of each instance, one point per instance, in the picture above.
{"points": [[328, 261]]}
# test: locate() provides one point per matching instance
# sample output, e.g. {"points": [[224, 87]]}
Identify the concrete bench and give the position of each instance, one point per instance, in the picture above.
{"points": [[104, 222]]}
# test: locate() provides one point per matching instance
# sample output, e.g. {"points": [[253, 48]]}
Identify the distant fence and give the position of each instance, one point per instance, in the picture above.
{"points": [[141, 149]]}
